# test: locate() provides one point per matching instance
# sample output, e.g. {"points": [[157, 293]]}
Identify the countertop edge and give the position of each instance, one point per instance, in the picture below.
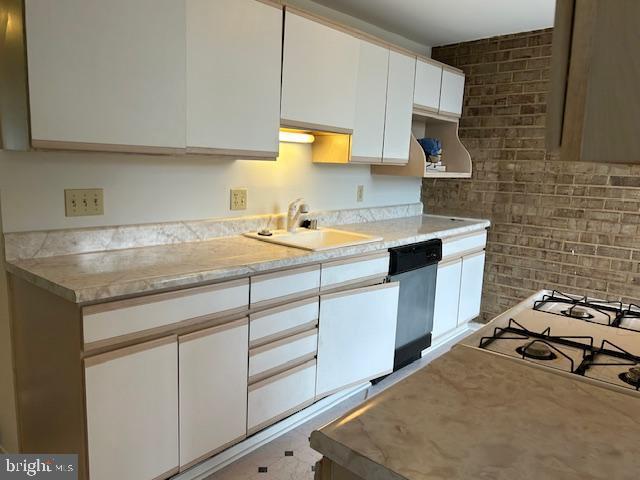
{"points": [[105, 293], [357, 463]]}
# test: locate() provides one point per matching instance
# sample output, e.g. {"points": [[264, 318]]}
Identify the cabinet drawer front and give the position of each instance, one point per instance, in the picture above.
{"points": [[283, 321], [103, 322], [457, 246], [280, 396], [281, 286], [274, 357], [344, 272]]}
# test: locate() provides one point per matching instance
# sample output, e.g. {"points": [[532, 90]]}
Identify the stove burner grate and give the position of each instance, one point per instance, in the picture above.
{"points": [[577, 307]]}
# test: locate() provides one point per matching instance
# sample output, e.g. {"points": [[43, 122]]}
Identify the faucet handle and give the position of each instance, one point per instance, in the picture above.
{"points": [[294, 203]]}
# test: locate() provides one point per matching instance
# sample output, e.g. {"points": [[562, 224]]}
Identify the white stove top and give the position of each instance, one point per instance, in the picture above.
{"points": [[585, 338]]}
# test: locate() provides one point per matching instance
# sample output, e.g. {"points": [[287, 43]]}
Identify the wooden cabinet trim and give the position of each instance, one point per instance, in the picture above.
{"points": [[355, 259], [281, 368], [279, 417], [180, 328], [284, 273], [213, 330], [314, 126], [283, 308], [233, 152], [379, 286], [365, 160], [130, 350], [104, 147], [157, 297], [167, 474], [284, 341], [284, 374]]}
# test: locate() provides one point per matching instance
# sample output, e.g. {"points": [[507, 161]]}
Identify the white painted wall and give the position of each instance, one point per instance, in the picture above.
{"points": [[144, 189]]}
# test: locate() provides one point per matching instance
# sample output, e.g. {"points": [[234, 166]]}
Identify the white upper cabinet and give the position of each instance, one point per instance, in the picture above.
{"points": [[426, 94], [319, 75], [452, 92], [107, 74], [234, 53], [371, 102], [397, 132]]}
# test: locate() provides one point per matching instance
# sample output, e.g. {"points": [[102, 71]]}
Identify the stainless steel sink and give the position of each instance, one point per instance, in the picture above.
{"points": [[315, 240]]}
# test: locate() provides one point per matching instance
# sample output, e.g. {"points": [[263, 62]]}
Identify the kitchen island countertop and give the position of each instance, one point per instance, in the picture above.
{"points": [[472, 415]]}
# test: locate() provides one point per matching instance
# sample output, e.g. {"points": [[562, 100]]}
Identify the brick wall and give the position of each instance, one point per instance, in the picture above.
{"points": [[565, 225]]}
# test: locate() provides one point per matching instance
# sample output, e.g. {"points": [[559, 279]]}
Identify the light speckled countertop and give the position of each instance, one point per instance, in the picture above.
{"points": [[106, 275], [470, 415]]}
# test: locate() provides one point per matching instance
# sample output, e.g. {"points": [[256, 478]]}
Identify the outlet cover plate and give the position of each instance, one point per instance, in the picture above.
{"points": [[360, 193], [238, 199], [80, 202]]}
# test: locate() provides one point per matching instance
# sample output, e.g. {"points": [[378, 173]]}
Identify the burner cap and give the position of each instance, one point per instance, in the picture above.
{"points": [[577, 312], [632, 377], [537, 350]]}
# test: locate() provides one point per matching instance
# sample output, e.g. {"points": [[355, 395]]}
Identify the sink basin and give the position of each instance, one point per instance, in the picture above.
{"points": [[315, 240]]}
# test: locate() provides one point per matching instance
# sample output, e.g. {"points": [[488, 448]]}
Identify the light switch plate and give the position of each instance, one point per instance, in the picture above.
{"points": [[81, 202], [238, 199], [360, 193]]}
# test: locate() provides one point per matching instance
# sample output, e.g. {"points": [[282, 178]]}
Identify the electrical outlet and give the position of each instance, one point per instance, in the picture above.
{"points": [[82, 202], [238, 199], [360, 193]]}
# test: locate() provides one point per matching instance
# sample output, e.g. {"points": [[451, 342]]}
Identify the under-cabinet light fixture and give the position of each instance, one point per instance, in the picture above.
{"points": [[296, 137]]}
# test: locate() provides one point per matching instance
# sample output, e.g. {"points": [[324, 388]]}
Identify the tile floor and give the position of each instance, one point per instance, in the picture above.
{"points": [[289, 457]]}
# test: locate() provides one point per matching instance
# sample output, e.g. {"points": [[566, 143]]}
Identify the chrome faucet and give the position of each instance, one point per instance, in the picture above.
{"points": [[294, 212]]}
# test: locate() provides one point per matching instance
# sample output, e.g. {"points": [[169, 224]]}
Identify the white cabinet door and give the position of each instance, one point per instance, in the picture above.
{"points": [[108, 74], [319, 75], [356, 339], [445, 311], [452, 92], [397, 131], [371, 101], [427, 89], [132, 411], [471, 287], [234, 53], [213, 389]]}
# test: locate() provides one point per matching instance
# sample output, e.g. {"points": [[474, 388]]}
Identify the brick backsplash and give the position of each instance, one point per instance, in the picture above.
{"points": [[574, 226]]}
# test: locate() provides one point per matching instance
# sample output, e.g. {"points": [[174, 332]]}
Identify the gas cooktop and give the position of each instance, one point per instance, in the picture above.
{"points": [[595, 340], [613, 314]]}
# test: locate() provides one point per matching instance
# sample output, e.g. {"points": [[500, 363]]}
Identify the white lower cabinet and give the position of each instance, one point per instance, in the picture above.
{"points": [[132, 411], [471, 286], [281, 395], [445, 311], [213, 389], [356, 340]]}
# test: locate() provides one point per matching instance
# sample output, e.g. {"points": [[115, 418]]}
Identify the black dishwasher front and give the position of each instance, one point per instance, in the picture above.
{"points": [[415, 266]]}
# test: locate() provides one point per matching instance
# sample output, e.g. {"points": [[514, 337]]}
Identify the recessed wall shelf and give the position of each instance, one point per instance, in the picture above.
{"points": [[454, 154]]}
